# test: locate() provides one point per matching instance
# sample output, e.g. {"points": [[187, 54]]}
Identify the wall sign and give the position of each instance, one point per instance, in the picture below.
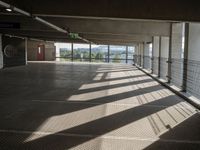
{"points": [[10, 51], [13, 51], [9, 25]]}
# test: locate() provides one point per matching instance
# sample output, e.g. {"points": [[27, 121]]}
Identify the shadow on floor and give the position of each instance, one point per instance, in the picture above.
{"points": [[94, 128], [185, 136], [25, 115]]}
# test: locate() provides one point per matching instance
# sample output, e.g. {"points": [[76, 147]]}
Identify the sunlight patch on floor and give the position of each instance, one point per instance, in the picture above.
{"points": [[110, 92]]}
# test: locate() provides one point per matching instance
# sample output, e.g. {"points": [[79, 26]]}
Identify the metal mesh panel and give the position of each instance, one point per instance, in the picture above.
{"points": [[147, 62], [137, 59], [177, 72], [155, 65], [193, 78], [163, 68]]}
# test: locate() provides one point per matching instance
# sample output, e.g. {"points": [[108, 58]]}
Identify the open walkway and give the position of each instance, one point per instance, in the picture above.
{"points": [[60, 106]]}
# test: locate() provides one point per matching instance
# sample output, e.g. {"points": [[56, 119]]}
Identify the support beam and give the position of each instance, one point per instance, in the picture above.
{"points": [[129, 9], [169, 56], [26, 50], [41, 20], [185, 63], [25, 13], [152, 55], [143, 54], [1, 53], [140, 55]]}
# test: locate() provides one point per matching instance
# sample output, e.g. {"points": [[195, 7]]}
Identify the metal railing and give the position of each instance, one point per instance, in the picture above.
{"points": [[193, 78]]}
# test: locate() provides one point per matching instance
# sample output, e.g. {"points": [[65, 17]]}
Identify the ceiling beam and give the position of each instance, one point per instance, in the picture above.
{"points": [[173, 10], [39, 19]]}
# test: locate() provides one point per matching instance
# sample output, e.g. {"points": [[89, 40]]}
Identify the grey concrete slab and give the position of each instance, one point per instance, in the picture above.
{"points": [[49, 105]]}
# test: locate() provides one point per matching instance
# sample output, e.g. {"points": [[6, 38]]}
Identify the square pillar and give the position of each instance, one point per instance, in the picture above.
{"points": [[185, 59], [159, 55], [169, 56], [155, 54]]}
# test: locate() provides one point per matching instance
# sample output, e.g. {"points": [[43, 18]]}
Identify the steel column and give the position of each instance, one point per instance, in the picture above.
{"points": [[90, 53], [72, 48], [108, 53], [126, 54]]}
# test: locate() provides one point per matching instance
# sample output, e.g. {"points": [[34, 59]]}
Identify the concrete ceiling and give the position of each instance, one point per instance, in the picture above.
{"points": [[97, 28], [177, 10]]}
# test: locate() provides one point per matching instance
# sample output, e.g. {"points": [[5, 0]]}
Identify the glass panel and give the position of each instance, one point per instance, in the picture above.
{"points": [[117, 54], [99, 53], [131, 51], [81, 52], [63, 51]]}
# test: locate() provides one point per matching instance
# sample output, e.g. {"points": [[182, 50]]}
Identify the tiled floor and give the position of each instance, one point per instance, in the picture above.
{"points": [[62, 106]]}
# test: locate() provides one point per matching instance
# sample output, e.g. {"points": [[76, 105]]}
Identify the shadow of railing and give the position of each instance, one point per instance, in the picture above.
{"points": [[37, 113], [99, 127], [184, 136]]}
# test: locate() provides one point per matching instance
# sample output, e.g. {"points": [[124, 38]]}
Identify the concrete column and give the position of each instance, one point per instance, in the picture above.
{"points": [[26, 51], [136, 55], [177, 49], [1, 53], [164, 53], [57, 53], [147, 59], [108, 53], [159, 55], [152, 64], [191, 78], [185, 63], [141, 55], [169, 56], [155, 55]]}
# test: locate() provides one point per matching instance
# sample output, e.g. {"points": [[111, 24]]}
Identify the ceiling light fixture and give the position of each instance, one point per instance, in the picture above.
{"points": [[8, 9]]}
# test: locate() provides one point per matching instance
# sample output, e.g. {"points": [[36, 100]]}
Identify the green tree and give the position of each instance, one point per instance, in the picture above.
{"points": [[99, 56], [85, 55]]}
